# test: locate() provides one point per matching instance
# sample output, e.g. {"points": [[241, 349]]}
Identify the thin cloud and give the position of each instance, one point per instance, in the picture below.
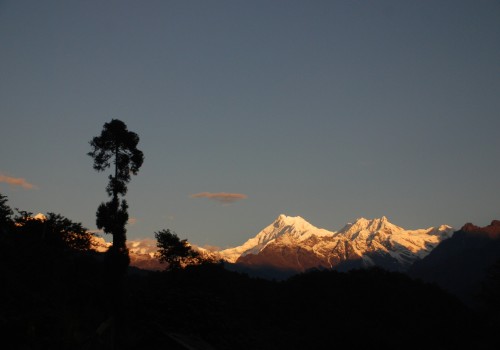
{"points": [[222, 197], [168, 217], [132, 221], [16, 181]]}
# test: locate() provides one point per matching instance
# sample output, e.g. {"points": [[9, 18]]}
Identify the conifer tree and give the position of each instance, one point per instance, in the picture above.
{"points": [[117, 147]]}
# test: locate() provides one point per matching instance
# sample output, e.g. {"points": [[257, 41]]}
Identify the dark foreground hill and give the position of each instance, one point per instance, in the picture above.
{"points": [[54, 298], [463, 263]]}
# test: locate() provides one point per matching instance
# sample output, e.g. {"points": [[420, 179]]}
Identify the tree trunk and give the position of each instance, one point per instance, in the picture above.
{"points": [[117, 239]]}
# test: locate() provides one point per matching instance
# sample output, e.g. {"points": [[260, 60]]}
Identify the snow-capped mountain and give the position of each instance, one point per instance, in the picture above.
{"points": [[142, 253], [294, 227], [294, 244]]}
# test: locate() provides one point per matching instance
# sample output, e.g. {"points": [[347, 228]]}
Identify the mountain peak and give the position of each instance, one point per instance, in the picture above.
{"points": [[492, 230], [372, 225], [286, 220], [294, 227]]}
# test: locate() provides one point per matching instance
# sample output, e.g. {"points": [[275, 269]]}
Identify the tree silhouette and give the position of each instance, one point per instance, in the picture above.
{"points": [[71, 234], [175, 252], [116, 146], [5, 214], [52, 230]]}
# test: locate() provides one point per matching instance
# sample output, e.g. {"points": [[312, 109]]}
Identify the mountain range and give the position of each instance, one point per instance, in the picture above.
{"points": [[459, 261], [293, 244]]}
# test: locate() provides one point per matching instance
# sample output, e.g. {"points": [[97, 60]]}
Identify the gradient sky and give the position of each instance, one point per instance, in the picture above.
{"points": [[331, 110]]}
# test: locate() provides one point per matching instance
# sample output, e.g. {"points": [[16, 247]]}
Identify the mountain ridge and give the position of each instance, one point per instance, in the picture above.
{"points": [[463, 263], [293, 243]]}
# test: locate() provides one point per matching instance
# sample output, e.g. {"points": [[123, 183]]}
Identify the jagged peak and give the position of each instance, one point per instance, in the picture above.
{"points": [[375, 224], [288, 217], [362, 219], [289, 220], [492, 230]]}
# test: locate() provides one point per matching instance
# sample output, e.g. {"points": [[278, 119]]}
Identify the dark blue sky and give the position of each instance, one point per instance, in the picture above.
{"points": [[330, 110]]}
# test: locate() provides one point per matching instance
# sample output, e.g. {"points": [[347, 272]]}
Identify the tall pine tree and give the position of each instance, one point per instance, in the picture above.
{"points": [[116, 146]]}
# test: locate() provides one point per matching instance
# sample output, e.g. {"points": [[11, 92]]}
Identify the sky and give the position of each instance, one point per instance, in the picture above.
{"points": [[330, 110]]}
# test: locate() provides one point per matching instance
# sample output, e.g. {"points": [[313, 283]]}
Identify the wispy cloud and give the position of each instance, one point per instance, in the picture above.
{"points": [[222, 197], [132, 221], [168, 217], [16, 181]]}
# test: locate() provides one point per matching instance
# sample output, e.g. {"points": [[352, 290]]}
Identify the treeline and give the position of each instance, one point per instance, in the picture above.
{"points": [[51, 278], [52, 230]]}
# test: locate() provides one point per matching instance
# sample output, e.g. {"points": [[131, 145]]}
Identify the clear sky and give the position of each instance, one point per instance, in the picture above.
{"points": [[331, 110]]}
